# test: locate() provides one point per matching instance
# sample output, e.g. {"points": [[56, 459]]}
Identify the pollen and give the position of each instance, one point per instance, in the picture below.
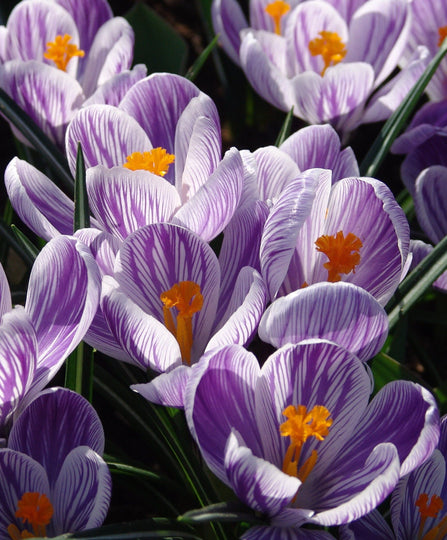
{"points": [[186, 299], [156, 161], [60, 51], [343, 253], [299, 426], [36, 509], [442, 34], [330, 46], [277, 10]]}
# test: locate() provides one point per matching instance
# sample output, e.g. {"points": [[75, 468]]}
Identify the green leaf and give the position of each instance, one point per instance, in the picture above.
{"points": [[226, 512], [386, 369], [157, 44], [398, 119], [417, 283], [37, 138], [285, 129], [26, 249], [82, 210], [194, 70]]}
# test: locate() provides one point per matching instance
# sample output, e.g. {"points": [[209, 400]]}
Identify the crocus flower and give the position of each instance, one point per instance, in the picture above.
{"points": [[418, 504], [56, 54], [62, 298], [52, 476], [298, 439], [305, 55], [165, 305], [351, 231]]}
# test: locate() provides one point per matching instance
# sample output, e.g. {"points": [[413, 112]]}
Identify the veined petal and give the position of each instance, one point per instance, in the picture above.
{"points": [[320, 146], [144, 338], [158, 256], [221, 379], [281, 532], [244, 311], [125, 200], [52, 425], [370, 527], [82, 491], [157, 103], [40, 204], [166, 389], [228, 20], [48, 95], [430, 201], [18, 359], [107, 136], [213, 206], [5, 294], [258, 483], [111, 53], [339, 312], [62, 299]]}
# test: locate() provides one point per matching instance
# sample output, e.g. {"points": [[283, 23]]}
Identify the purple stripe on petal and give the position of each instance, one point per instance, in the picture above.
{"points": [[167, 389], [430, 201], [370, 527]]}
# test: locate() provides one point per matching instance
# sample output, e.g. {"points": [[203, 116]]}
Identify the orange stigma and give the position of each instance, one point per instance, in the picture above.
{"points": [[277, 10], [343, 253], [330, 46], [61, 52], [156, 161], [36, 509], [299, 426], [186, 298], [442, 34]]}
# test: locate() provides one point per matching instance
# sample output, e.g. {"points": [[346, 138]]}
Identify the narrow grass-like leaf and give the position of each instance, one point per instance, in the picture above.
{"points": [[417, 283], [398, 119], [285, 128], [41, 142], [73, 369], [194, 70], [386, 369], [23, 245], [226, 512], [82, 210]]}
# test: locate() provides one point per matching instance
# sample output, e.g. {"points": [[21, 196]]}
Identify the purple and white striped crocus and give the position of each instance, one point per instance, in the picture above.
{"points": [[298, 439], [167, 303], [353, 231], [418, 504], [308, 56], [62, 299], [52, 476], [56, 54]]}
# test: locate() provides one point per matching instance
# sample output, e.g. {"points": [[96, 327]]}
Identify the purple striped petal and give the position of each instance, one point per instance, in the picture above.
{"points": [[157, 103], [155, 258], [258, 483], [18, 359], [40, 204], [167, 389], [339, 312], [124, 200], [430, 201], [370, 527], [111, 53], [48, 95], [5, 294], [285, 533], [319, 146], [62, 300], [213, 206], [107, 136], [244, 311], [52, 425], [283, 225], [228, 20], [82, 492], [146, 341], [19, 474]]}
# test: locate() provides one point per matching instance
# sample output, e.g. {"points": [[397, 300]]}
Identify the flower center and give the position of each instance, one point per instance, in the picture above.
{"points": [[330, 46], [156, 161], [36, 509], [431, 510], [276, 10], [442, 34], [299, 426], [186, 298], [343, 253], [61, 52]]}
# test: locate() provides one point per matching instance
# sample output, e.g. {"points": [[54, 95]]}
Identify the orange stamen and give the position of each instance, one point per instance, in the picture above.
{"points": [[61, 52], [277, 10], [442, 34], [37, 510], [187, 299], [343, 253], [330, 46], [156, 161]]}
